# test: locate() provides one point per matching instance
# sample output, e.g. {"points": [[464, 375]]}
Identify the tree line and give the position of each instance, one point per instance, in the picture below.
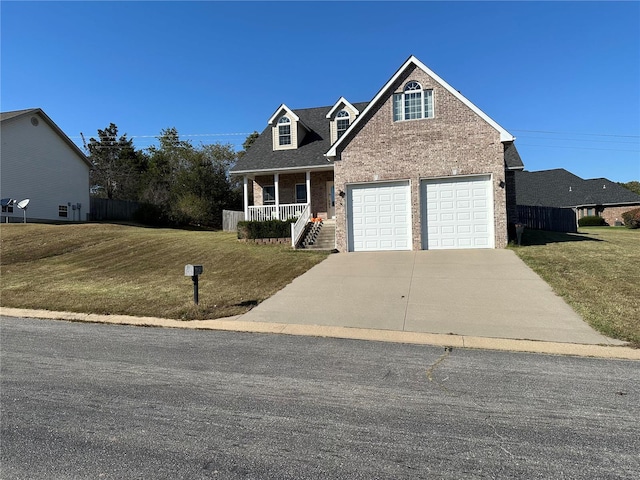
{"points": [[176, 182]]}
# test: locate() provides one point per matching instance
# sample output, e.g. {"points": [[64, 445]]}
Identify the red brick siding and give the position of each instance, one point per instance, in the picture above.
{"points": [[455, 142]]}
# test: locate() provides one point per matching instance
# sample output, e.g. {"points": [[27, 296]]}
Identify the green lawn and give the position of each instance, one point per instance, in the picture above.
{"points": [[117, 269], [597, 272]]}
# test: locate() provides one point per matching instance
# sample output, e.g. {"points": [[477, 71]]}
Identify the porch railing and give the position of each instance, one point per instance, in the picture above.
{"points": [[284, 212], [298, 228]]}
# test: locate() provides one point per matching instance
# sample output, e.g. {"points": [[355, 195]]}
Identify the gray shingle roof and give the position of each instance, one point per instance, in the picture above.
{"points": [[560, 188], [512, 158], [311, 153], [16, 113]]}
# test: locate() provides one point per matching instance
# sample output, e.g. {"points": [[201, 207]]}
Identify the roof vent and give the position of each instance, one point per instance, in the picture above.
{"points": [[34, 121], [604, 187], [569, 188]]}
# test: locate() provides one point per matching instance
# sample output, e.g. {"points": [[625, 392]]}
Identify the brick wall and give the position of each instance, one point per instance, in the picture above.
{"points": [[455, 142], [613, 214]]}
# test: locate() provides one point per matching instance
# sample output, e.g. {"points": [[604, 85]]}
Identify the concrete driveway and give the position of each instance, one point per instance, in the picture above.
{"points": [[483, 293]]}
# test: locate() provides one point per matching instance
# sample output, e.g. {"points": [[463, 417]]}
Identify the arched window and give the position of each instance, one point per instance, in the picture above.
{"points": [[284, 131], [413, 103], [342, 122]]}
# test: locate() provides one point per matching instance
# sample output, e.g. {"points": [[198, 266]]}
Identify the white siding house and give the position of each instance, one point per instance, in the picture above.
{"points": [[39, 162]]}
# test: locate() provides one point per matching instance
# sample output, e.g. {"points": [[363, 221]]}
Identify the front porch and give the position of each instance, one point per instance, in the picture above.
{"points": [[286, 195]]}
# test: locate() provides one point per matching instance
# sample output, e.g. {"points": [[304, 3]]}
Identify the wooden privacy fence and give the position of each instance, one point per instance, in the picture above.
{"points": [[105, 209], [230, 219], [548, 218]]}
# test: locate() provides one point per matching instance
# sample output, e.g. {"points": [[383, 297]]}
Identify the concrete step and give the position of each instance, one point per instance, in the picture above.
{"points": [[326, 238]]}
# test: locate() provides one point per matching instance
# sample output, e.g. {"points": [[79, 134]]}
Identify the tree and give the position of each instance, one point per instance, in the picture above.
{"points": [[190, 184], [251, 138], [634, 186], [117, 166]]}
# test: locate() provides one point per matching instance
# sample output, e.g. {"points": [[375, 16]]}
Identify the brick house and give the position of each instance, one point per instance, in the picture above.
{"points": [[562, 189], [417, 167]]}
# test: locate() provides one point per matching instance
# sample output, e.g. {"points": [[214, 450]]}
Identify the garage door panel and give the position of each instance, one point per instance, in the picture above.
{"points": [[384, 209], [457, 213]]}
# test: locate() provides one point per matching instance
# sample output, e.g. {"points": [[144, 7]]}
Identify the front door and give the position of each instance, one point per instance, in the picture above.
{"points": [[331, 200]]}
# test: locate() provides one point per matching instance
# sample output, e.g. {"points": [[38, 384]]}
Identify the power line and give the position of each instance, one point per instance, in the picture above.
{"points": [[577, 133], [578, 148]]}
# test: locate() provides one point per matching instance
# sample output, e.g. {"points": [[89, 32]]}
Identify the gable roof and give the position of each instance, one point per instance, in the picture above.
{"points": [[342, 101], [5, 116], [560, 188], [287, 110], [310, 153], [413, 61]]}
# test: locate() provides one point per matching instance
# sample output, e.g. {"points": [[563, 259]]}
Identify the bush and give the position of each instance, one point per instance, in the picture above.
{"points": [[591, 221], [632, 218], [266, 229]]}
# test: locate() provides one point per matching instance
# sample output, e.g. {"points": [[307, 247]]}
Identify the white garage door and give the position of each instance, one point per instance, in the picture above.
{"points": [[379, 216], [457, 213]]}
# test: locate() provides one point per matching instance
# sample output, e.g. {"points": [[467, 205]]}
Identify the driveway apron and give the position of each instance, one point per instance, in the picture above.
{"points": [[484, 293]]}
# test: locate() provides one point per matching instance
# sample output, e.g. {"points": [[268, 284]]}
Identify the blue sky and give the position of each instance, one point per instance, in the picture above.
{"points": [[563, 77]]}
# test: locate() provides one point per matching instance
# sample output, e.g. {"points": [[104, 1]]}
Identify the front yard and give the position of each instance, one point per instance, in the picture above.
{"points": [[117, 269], [597, 272]]}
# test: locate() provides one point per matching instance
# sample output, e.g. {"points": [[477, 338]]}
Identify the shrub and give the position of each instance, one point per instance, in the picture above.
{"points": [[591, 221], [266, 229], [632, 218]]}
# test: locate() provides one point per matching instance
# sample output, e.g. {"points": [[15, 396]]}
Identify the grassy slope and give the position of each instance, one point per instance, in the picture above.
{"points": [[119, 269], [597, 272]]}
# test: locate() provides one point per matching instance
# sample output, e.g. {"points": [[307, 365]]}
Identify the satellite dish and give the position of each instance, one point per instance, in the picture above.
{"points": [[22, 204], [7, 201]]}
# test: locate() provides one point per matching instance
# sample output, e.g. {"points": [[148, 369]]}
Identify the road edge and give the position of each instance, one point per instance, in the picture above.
{"points": [[234, 324]]}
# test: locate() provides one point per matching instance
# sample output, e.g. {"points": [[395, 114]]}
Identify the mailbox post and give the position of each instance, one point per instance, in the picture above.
{"points": [[193, 271]]}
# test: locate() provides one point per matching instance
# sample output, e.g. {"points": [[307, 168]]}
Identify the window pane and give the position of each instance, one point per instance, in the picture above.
{"points": [[412, 105], [428, 103], [397, 107], [284, 132], [301, 193], [268, 195], [342, 125]]}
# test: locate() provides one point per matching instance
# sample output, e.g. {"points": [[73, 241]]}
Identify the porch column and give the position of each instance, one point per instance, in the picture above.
{"points": [[308, 175], [276, 178], [245, 196]]}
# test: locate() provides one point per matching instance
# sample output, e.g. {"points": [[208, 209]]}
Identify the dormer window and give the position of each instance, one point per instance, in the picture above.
{"points": [[342, 122], [284, 131], [413, 103]]}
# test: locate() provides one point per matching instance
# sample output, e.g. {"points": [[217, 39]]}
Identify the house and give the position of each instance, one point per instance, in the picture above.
{"points": [[39, 162], [417, 167], [562, 189]]}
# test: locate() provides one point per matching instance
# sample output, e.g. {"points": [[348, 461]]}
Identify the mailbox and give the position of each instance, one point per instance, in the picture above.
{"points": [[192, 270]]}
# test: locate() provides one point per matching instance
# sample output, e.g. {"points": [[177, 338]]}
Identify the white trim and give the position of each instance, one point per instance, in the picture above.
{"points": [[504, 135], [344, 102], [288, 112], [245, 196], [326, 168]]}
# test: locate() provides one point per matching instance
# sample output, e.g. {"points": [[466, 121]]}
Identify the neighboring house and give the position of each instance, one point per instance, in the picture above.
{"points": [[417, 167], [39, 162], [562, 189]]}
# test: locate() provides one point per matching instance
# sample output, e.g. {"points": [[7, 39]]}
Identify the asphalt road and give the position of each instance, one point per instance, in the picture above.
{"points": [[84, 401]]}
